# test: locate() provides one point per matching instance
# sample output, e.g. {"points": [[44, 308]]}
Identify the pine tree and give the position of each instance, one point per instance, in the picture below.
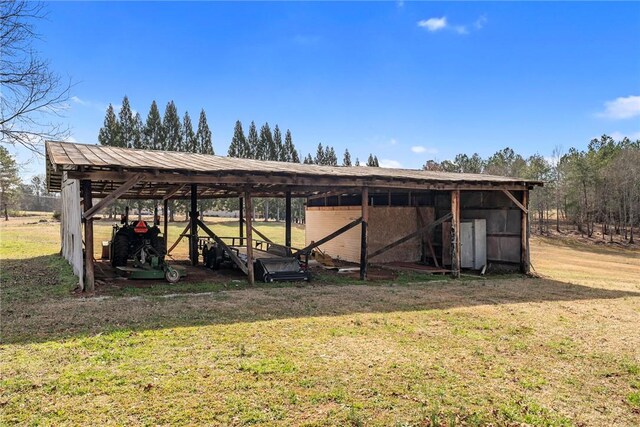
{"points": [[330, 158], [319, 159], [110, 132], [277, 142], [203, 136], [127, 125], [9, 181], [253, 142], [372, 161], [238, 145], [153, 131], [292, 153], [346, 159], [268, 150], [308, 160], [189, 140], [172, 128], [138, 131]]}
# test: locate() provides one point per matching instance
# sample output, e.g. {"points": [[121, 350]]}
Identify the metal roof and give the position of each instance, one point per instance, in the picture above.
{"points": [[66, 156]]}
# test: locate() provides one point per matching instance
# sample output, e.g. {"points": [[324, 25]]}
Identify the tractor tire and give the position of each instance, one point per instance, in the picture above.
{"points": [[120, 250], [157, 244]]}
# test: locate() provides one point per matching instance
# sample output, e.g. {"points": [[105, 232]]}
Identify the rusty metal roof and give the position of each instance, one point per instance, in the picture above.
{"points": [[66, 156]]}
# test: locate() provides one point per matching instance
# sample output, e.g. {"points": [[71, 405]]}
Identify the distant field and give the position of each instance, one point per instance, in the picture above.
{"points": [[560, 350]]}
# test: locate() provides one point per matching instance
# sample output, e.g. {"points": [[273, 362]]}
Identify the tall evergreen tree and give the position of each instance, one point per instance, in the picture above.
{"points": [[203, 136], [172, 128], [238, 145], [253, 142], [346, 159], [153, 132], [330, 158], [292, 153], [319, 159], [357, 163], [9, 182], [372, 161], [138, 131], [308, 160], [268, 150], [277, 142], [110, 132], [189, 140], [127, 125]]}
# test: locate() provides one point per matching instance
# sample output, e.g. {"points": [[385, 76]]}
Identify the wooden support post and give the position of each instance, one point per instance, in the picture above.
{"points": [[247, 202], [240, 218], [287, 219], [89, 280], [363, 237], [165, 214], [525, 264], [455, 233], [193, 215]]}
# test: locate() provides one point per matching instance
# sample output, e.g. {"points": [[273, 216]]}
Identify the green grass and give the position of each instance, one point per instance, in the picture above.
{"points": [[415, 351]]}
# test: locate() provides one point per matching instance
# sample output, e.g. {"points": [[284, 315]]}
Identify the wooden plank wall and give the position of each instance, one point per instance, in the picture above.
{"points": [[71, 227], [386, 224]]}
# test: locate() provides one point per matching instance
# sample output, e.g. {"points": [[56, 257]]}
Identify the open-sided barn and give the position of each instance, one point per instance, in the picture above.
{"points": [[359, 214]]}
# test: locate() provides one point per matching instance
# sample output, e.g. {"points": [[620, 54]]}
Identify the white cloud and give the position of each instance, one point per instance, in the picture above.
{"points": [[480, 22], [621, 108], [393, 141], [387, 163], [418, 149], [437, 24], [400, 3], [79, 101], [433, 24], [619, 136]]}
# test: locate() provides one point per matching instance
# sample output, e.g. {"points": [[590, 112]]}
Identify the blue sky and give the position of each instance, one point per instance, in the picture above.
{"points": [[407, 81]]}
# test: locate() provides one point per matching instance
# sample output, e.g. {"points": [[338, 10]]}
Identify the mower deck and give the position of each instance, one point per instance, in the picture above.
{"points": [[147, 272]]}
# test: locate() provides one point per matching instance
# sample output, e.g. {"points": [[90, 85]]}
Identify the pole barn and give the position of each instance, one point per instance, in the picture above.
{"points": [[365, 215]]}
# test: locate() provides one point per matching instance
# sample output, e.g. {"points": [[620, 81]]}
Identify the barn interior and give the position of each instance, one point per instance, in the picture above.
{"points": [[438, 221]]}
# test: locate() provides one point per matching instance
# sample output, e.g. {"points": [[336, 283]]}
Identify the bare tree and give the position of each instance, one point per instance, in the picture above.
{"points": [[33, 96]]}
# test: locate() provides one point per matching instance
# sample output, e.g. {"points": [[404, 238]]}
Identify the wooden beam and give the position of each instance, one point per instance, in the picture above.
{"points": [[165, 215], [328, 237], [411, 236], [426, 236], [329, 194], [516, 201], [184, 233], [89, 277], [193, 216], [287, 219], [363, 234], [241, 217], [107, 201], [525, 263], [226, 247], [290, 181], [262, 236], [455, 233], [249, 219], [172, 192]]}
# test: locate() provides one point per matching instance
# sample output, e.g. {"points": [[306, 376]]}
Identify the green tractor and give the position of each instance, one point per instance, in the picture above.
{"points": [[141, 242]]}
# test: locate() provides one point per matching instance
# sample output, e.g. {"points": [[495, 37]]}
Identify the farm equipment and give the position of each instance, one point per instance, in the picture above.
{"points": [[142, 243], [277, 267]]}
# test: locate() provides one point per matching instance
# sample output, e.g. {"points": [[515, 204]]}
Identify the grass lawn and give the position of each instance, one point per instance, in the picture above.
{"points": [[559, 350]]}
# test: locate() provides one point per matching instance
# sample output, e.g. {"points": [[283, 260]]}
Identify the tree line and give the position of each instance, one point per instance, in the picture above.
{"points": [[599, 185]]}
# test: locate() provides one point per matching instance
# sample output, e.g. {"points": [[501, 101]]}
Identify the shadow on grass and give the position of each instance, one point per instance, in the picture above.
{"points": [[38, 305]]}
